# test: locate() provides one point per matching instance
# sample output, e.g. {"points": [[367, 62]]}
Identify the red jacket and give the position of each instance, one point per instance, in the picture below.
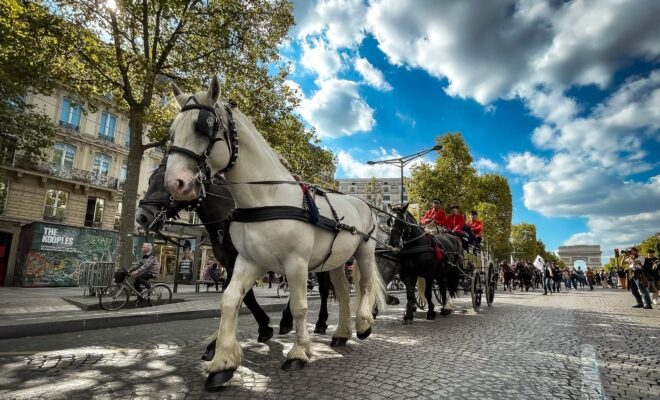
{"points": [[477, 227], [439, 217], [455, 222]]}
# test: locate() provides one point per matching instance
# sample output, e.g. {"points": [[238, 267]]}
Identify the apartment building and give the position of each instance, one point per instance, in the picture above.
{"points": [[72, 199], [391, 188]]}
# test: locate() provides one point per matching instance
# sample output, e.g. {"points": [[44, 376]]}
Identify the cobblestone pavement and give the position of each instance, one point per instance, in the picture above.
{"points": [[564, 346]]}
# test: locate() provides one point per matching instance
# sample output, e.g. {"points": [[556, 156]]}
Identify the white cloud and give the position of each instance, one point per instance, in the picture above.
{"points": [[525, 163], [340, 21], [321, 58], [352, 168], [372, 75], [485, 164], [337, 109]]}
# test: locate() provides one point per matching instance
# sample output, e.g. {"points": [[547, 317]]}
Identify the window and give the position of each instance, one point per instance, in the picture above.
{"points": [[56, 201], [352, 189], [107, 127], [386, 198], [70, 115], [128, 136], [63, 155], [386, 189], [4, 191], [118, 216], [122, 171], [94, 213], [101, 164], [154, 166]]}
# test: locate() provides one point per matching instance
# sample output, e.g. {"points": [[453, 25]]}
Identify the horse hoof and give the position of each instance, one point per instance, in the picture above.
{"points": [[407, 321], [210, 352], [265, 335], [430, 315], [445, 312], [216, 380], [364, 334], [284, 329], [293, 364], [320, 329], [338, 342], [392, 301]]}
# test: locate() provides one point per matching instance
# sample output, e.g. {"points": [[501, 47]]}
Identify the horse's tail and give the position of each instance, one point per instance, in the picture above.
{"points": [[378, 290]]}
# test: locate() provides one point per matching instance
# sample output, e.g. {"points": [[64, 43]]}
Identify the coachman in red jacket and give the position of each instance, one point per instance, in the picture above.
{"points": [[435, 214], [477, 228], [455, 221]]}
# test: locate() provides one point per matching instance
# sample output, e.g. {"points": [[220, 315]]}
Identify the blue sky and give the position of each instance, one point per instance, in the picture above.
{"points": [[563, 98]]}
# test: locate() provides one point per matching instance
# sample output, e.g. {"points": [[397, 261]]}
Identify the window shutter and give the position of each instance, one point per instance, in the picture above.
{"points": [[111, 127], [104, 120], [66, 106]]}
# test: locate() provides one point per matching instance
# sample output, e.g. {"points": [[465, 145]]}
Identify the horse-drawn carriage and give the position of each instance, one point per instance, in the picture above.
{"points": [[479, 277]]}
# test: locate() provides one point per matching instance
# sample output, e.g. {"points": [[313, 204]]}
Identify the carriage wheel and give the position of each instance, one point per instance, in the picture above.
{"points": [[477, 290], [491, 284], [437, 294]]}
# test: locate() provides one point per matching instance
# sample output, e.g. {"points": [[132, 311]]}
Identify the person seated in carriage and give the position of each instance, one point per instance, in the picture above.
{"points": [[456, 225], [435, 219], [476, 227]]}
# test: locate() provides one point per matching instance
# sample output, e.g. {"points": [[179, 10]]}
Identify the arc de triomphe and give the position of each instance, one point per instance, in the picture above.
{"points": [[590, 254]]}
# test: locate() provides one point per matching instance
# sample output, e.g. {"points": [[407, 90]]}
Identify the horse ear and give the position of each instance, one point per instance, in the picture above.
{"points": [[214, 90], [178, 95], [405, 206]]}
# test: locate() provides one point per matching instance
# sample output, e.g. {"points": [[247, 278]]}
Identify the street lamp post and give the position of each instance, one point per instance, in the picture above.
{"points": [[403, 161]]}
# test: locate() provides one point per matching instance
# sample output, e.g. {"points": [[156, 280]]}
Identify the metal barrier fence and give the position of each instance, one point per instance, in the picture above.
{"points": [[95, 274]]}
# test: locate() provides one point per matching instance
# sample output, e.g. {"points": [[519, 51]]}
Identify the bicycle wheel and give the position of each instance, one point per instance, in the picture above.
{"points": [[113, 298], [436, 293], [160, 295], [282, 290]]}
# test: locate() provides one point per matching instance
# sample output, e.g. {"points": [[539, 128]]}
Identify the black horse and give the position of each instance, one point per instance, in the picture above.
{"points": [[427, 256], [157, 206]]}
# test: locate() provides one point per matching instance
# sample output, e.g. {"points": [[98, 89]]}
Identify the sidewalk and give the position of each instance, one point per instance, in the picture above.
{"points": [[42, 311]]}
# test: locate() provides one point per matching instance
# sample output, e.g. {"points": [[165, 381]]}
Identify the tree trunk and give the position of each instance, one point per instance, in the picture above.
{"points": [[129, 198]]}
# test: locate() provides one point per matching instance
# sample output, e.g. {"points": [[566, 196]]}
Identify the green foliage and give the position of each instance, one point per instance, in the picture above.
{"points": [[374, 192], [453, 180], [523, 241], [650, 242]]}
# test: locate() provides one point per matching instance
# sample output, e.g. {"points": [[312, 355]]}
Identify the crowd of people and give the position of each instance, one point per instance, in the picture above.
{"points": [[638, 274]]}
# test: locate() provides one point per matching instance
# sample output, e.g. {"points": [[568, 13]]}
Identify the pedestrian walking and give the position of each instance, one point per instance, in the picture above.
{"points": [[651, 272], [590, 278], [637, 281], [547, 279]]}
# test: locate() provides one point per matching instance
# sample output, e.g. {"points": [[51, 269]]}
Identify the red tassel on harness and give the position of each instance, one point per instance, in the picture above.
{"points": [[438, 253]]}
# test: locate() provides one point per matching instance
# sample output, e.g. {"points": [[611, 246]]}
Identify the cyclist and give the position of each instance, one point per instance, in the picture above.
{"points": [[145, 268]]}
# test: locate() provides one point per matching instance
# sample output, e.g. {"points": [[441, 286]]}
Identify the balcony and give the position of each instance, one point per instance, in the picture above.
{"points": [[73, 174], [107, 138], [69, 127]]}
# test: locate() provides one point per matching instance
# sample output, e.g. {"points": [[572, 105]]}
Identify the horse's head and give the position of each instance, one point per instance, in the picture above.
{"points": [[157, 205], [398, 226], [195, 154]]}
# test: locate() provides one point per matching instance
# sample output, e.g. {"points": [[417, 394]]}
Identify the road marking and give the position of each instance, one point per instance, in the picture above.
{"points": [[591, 385]]}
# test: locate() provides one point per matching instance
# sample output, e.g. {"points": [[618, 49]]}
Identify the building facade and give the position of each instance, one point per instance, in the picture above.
{"points": [[77, 189], [391, 188]]}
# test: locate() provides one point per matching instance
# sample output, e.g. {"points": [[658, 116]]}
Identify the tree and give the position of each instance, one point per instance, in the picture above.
{"points": [[494, 189], [32, 42], [374, 192], [452, 179], [523, 241], [136, 48]]}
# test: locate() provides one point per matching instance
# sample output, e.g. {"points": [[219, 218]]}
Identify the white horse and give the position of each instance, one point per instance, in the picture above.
{"points": [[287, 246]]}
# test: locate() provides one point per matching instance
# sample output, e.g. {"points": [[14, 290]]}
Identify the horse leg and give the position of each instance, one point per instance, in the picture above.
{"points": [[265, 331], [296, 273], [324, 289], [428, 293], [421, 289], [286, 323], [368, 287], [409, 280], [227, 349], [343, 331]]}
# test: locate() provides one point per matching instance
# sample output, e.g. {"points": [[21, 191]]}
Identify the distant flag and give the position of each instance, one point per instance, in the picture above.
{"points": [[539, 263]]}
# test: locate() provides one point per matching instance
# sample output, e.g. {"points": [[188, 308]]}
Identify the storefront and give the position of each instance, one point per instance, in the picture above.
{"points": [[49, 254]]}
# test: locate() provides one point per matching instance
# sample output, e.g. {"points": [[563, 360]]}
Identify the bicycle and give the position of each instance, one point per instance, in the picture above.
{"points": [[115, 297]]}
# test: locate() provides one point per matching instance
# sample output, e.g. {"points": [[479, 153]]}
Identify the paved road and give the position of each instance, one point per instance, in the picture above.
{"points": [[564, 346]]}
